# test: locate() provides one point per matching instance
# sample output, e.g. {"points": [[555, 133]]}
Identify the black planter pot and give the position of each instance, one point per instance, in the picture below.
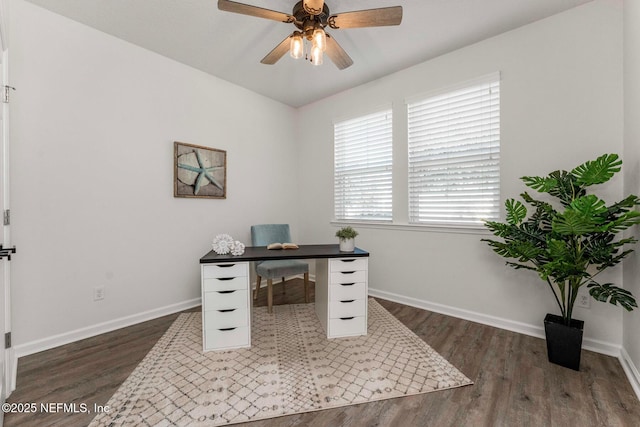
{"points": [[564, 343]]}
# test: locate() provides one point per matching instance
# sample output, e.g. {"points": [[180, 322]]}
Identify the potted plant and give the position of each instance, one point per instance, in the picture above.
{"points": [[347, 236], [568, 241]]}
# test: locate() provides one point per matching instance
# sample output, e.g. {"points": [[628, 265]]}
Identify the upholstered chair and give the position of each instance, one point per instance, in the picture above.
{"points": [[263, 235]]}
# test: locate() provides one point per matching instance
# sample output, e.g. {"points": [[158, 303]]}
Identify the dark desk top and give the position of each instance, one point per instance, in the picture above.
{"points": [[261, 253]]}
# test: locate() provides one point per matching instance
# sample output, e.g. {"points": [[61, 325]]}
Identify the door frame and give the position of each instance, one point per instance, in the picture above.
{"points": [[9, 368]]}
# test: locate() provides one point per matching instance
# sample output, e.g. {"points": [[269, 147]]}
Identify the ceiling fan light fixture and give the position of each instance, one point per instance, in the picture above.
{"points": [[316, 55], [296, 48], [320, 38], [311, 17]]}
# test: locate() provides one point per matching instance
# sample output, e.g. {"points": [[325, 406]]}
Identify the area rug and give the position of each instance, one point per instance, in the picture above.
{"points": [[291, 368]]}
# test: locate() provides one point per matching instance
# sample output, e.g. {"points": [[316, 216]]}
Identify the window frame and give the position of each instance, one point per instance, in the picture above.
{"points": [[385, 150], [454, 223]]}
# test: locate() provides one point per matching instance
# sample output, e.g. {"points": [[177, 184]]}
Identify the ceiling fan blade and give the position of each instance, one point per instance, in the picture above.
{"points": [[277, 52], [367, 18], [337, 54], [245, 9], [313, 7]]}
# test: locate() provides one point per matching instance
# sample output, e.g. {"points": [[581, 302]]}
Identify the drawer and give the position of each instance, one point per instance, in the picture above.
{"points": [[349, 326], [225, 299], [347, 292], [348, 277], [225, 283], [231, 317], [225, 270], [348, 264], [347, 308], [226, 338]]}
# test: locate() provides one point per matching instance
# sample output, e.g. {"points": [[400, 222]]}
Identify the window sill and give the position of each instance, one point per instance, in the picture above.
{"points": [[459, 229]]}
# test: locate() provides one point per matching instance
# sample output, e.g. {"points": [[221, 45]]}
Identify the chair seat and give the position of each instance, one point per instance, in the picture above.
{"points": [[281, 268]]}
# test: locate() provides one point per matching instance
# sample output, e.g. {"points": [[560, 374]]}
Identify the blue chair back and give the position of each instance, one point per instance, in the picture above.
{"points": [[265, 234]]}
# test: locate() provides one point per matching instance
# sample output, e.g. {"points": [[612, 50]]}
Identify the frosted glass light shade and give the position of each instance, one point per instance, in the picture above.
{"points": [[316, 55], [320, 38], [296, 47]]}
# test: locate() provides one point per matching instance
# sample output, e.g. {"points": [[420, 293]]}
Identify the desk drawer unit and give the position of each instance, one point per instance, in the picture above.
{"points": [[225, 300], [347, 308], [349, 276], [348, 291], [225, 306], [224, 283], [347, 297], [214, 271], [349, 264], [226, 318], [231, 337]]}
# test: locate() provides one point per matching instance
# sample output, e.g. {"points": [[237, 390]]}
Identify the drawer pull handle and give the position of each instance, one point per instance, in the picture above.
{"points": [[348, 272], [347, 284], [347, 301], [347, 318], [228, 310], [226, 329], [226, 278], [225, 265], [347, 260], [226, 292]]}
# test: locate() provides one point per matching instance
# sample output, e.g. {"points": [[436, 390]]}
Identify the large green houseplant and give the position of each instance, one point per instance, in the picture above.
{"points": [[572, 238]]}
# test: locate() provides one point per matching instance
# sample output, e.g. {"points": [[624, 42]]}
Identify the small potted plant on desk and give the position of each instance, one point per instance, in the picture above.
{"points": [[568, 242], [347, 236]]}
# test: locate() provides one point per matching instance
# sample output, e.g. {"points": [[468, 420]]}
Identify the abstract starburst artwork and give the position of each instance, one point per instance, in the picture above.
{"points": [[199, 171]]}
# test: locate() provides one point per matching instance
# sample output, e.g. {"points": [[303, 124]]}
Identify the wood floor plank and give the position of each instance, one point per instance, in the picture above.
{"points": [[514, 384]]}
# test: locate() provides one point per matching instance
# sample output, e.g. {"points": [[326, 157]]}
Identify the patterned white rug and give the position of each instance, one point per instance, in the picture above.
{"points": [[291, 368]]}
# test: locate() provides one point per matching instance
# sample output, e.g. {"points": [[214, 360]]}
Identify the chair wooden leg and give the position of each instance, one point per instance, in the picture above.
{"points": [[270, 295], [255, 294], [307, 297]]}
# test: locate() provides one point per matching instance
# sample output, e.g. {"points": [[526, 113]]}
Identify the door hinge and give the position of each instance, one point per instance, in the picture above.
{"points": [[5, 93], [7, 340], [7, 217], [6, 252]]}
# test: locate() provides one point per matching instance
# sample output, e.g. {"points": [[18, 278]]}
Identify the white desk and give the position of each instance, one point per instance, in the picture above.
{"points": [[340, 292]]}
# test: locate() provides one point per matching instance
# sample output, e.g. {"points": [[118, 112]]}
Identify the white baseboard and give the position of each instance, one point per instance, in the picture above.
{"points": [[609, 349], [101, 328], [631, 370]]}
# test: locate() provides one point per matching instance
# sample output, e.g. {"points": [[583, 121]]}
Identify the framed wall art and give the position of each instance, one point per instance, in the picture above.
{"points": [[199, 171]]}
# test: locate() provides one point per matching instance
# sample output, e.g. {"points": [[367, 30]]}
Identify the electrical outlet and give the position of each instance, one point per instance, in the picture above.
{"points": [[98, 293], [583, 300]]}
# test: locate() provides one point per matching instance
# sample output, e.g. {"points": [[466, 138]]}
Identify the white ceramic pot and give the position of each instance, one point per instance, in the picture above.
{"points": [[347, 245]]}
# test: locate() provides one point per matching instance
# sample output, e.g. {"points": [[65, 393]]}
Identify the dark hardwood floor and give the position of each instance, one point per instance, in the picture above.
{"points": [[515, 385]]}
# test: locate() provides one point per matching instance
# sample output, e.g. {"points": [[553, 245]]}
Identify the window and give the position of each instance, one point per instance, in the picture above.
{"points": [[454, 155], [362, 168]]}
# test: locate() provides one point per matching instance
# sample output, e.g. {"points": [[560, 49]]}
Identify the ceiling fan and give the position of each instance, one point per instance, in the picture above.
{"points": [[311, 17]]}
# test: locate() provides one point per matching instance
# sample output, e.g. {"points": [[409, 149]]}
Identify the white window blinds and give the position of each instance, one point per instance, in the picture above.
{"points": [[454, 155], [362, 168]]}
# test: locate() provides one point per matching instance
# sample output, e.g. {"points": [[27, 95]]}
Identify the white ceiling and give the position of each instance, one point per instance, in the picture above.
{"points": [[230, 46]]}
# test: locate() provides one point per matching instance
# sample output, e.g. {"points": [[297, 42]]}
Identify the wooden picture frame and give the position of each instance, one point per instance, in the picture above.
{"points": [[199, 172]]}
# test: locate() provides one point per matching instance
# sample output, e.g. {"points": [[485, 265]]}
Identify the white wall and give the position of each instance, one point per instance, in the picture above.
{"points": [[631, 326], [561, 105], [93, 125]]}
